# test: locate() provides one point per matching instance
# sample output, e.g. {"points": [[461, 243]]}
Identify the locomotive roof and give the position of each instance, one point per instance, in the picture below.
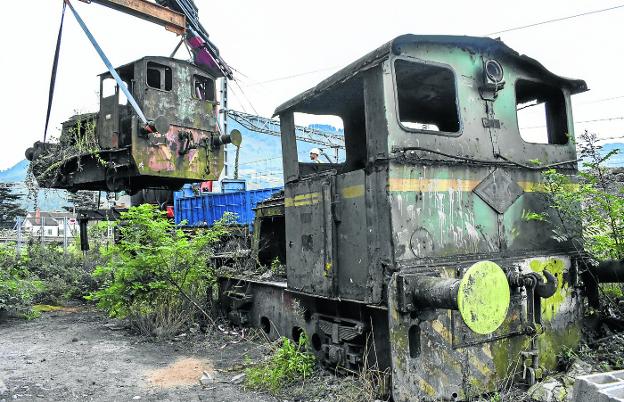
{"points": [[314, 101], [161, 59]]}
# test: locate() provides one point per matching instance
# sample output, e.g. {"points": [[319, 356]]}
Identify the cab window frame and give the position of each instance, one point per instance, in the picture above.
{"points": [[395, 89], [194, 77], [163, 76], [565, 98]]}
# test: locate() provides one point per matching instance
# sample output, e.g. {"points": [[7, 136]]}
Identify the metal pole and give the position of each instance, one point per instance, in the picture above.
{"points": [[224, 103], [19, 235], [224, 116], [65, 235], [42, 219]]}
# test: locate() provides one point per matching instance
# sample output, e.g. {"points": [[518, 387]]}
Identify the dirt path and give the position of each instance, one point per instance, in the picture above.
{"points": [[80, 355]]}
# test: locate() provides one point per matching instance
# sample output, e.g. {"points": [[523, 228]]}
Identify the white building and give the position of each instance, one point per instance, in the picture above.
{"points": [[52, 224]]}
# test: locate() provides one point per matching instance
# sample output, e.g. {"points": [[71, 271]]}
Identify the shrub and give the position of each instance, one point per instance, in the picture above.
{"points": [[17, 287], [44, 274], [591, 210], [156, 275], [65, 275], [289, 363]]}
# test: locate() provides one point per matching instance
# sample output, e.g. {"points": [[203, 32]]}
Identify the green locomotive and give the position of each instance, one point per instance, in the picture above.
{"points": [[417, 250]]}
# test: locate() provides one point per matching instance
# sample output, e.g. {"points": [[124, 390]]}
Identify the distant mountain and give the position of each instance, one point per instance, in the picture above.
{"points": [[14, 174], [47, 200], [616, 160]]}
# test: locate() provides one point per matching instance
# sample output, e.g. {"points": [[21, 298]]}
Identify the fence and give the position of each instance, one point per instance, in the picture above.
{"points": [[43, 230]]}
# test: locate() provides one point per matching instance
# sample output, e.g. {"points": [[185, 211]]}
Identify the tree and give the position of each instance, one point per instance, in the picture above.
{"points": [[82, 200], [10, 205]]}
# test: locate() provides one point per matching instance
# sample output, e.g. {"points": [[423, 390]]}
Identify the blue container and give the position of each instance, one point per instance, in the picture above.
{"points": [[233, 185], [206, 208], [187, 190]]}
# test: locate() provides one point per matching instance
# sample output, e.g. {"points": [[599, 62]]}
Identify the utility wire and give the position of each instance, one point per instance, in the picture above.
{"points": [[617, 137], [581, 121], [235, 95], [245, 96], [288, 77], [555, 20], [602, 100], [604, 119]]}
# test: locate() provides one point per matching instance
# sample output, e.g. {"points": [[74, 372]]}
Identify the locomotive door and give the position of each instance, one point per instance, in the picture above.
{"points": [[310, 234], [108, 121]]}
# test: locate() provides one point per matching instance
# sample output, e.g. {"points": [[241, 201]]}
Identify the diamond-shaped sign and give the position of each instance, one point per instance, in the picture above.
{"points": [[498, 190]]}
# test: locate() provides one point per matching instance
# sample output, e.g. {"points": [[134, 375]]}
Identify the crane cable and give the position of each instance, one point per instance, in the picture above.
{"points": [[53, 75], [100, 52], [108, 65]]}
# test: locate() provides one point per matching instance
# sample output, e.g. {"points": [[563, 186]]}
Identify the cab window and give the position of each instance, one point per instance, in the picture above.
{"points": [[541, 112], [159, 76], [426, 97], [203, 88]]}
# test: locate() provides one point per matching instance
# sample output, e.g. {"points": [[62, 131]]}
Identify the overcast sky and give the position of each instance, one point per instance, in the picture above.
{"points": [[269, 40]]}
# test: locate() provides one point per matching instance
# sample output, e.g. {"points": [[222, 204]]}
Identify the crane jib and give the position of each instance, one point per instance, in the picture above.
{"points": [[108, 64]]}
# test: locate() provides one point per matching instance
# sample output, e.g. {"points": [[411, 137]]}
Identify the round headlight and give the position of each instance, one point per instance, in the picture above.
{"points": [[494, 71]]}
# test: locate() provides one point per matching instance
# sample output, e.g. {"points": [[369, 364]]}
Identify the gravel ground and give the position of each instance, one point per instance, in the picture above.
{"points": [[79, 354]]}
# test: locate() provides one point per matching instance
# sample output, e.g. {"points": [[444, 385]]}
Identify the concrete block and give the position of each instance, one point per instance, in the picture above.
{"points": [[601, 387]]}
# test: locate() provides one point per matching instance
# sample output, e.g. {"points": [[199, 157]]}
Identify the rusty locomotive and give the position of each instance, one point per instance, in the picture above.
{"points": [[113, 150], [416, 253]]}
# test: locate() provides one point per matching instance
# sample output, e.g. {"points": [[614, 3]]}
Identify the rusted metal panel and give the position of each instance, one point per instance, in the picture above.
{"points": [[352, 229], [289, 147], [311, 242]]}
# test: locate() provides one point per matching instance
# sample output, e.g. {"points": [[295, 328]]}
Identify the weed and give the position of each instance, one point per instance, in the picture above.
{"points": [[31, 314], [277, 268], [369, 382], [46, 308], [156, 275], [289, 363], [17, 292], [495, 398]]}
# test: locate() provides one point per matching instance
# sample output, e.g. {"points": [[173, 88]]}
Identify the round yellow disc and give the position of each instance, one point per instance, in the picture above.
{"points": [[483, 297]]}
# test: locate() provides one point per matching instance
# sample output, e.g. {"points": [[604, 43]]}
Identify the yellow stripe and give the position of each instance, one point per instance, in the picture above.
{"points": [[353, 191], [441, 185], [478, 364], [432, 185], [532, 186], [426, 387], [441, 329], [486, 351], [303, 199]]}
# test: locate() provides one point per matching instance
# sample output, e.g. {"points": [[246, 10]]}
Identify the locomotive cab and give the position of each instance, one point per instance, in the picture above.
{"points": [[113, 150], [421, 236]]}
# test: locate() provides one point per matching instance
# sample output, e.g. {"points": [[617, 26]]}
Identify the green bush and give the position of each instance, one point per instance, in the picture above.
{"points": [[289, 363], [156, 275], [18, 288], [44, 274], [65, 275], [590, 209]]}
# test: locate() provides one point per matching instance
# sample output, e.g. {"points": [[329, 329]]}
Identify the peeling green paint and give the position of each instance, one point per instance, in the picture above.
{"points": [[506, 355], [555, 266], [552, 342]]}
